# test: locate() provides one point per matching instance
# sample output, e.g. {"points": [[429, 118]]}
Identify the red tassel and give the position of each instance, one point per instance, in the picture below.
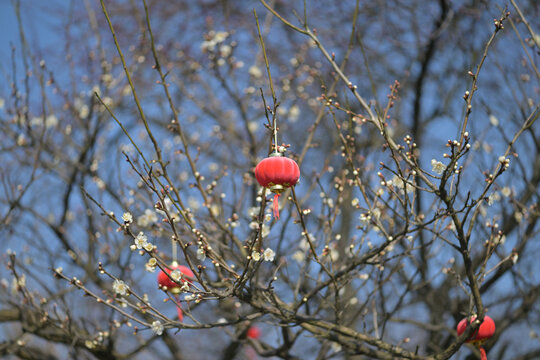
{"points": [[483, 355], [276, 206], [179, 309]]}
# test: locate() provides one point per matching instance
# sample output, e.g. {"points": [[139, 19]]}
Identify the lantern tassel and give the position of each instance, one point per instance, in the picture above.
{"points": [[276, 206], [179, 309], [483, 355]]}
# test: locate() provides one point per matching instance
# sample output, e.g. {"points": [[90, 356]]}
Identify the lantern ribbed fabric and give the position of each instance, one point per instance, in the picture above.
{"points": [[484, 332], [277, 173], [165, 281]]}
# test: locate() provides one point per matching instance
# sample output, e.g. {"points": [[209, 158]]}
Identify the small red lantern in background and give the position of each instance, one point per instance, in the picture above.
{"points": [[484, 332], [167, 284], [277, 173], [253, 332]]}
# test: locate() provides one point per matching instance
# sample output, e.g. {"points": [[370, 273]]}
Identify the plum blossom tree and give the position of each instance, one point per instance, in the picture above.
{"points": [[128, 150]]}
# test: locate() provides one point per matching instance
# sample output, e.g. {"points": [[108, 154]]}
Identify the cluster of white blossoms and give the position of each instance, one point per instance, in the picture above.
{"points": [[157, 327], [148, 218], [365, 218], [141, 242], [120, 288], [50, 121], [213, 39], [169, 207], [267, 255], [494, 197], [16, 283], [300, 255], [201, 254], [400, 184], [253, 212]]}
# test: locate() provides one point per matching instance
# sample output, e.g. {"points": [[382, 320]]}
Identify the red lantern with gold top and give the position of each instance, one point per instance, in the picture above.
{"points": [[167, 284], [484, 332], [277, 173]]}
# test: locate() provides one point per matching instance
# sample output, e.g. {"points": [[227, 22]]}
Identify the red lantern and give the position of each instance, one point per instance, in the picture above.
{"points": [[167, 284], [484, 332], [253, 332], [277, 173]]}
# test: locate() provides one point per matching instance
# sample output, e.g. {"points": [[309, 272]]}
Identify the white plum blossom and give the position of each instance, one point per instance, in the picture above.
{"points": [[399, 183], [265, 230], [437, 166], [201, 254], [150, 266], [299, 256], [169, 206], [18, 283], [140, 240], [336, 347], [253, 211], [500, 240], [21, 140], [334, 255], [51, 121], [157, 327], [148, 246], [122, 302], [120, 287], [294, 113], [304, 244], [506, 191], [255, 71], [493, 120], [220, 36], [176, 275], [225, 50], [494, 197], [365, 218], [84, 111], [255, 255], [148, 218], [127, 217], [269, 255], [208, 45]]}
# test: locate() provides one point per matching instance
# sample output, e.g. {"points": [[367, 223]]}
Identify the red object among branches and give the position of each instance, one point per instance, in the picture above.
{"points": [[484, 332], [167, 284], [253, 332], [277, 173]]}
